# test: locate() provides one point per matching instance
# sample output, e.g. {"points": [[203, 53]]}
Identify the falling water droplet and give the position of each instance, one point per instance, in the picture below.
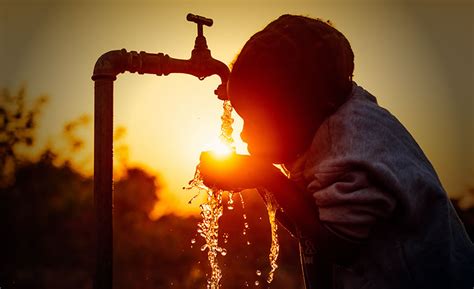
{"points": [[258, 272], [230, 203], [272, 207], [194, 197], [257, 283], [193, 241]]}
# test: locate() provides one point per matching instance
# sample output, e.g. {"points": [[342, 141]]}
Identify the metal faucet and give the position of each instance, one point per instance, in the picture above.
{"points": [[201, 64], [108, 66]]}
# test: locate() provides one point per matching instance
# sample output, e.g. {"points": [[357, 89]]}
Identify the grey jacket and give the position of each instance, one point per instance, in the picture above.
{"points": [[372, 183]]}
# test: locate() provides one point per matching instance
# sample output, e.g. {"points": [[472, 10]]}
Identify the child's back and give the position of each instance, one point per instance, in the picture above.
{"points": [[372, 182]]}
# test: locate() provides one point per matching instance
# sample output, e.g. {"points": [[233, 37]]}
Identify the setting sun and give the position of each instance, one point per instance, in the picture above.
{"points": [[221, 149]]}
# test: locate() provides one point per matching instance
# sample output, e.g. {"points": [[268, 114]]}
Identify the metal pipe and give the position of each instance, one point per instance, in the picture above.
{"points": [[108, 66], [201, 64], [103, 128]]}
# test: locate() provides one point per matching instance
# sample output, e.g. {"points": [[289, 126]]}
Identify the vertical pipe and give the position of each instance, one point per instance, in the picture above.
{"points": [[106, 69], [103, 129]]}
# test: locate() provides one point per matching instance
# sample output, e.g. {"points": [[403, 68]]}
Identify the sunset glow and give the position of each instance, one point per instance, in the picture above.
{"points": [[171, 119], [184, 204], [221, 150]]}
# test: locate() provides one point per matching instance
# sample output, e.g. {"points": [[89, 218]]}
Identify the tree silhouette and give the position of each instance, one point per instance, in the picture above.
{"points": [[17, 127]]}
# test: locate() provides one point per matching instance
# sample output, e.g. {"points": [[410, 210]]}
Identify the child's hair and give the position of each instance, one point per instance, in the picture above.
{"points": [[300, 58]]}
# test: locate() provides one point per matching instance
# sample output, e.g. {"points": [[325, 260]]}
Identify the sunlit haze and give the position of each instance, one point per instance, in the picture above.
{"points": [[404, 55]]}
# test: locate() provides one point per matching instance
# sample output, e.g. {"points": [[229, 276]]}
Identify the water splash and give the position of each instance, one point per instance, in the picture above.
{"points": [[272, 207], [244, 216], [230, 202], [212, 210]]}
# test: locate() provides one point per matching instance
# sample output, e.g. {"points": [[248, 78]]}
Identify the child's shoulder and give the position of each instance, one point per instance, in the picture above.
{"points": [[361, 130], [361, 118], [360, 107]]}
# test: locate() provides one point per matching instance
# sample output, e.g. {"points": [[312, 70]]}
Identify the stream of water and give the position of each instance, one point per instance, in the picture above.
{"points": [[212, 210]]}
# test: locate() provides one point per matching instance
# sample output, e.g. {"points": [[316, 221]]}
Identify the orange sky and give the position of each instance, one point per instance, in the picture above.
{"points": [[415, 56]]}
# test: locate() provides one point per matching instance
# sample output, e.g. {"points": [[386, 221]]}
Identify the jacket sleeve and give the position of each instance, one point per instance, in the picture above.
{"points": [[349, 202]]}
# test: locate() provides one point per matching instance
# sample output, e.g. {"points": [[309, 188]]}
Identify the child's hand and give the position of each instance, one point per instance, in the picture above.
{"points": [[235, 172]]}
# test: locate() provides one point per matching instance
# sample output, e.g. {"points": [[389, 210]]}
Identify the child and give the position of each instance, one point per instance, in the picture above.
{"points": [[364, 201]]}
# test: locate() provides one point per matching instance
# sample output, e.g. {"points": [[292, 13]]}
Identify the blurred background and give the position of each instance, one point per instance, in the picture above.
{"points": [[415, 56]]}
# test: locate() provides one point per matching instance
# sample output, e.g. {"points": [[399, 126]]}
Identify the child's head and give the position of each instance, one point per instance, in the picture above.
{"points": [[287, 79]]}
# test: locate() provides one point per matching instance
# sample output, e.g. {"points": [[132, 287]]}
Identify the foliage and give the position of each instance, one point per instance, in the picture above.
{"points": [[17, 127], [50, 240]]}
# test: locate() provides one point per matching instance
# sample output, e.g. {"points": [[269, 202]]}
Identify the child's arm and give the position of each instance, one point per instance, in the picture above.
{"points": [[303, 212], [350, 202], [243, 172]]}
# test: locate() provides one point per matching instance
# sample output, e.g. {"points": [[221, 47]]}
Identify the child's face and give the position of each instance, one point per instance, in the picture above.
{"points": [[269, 131]]}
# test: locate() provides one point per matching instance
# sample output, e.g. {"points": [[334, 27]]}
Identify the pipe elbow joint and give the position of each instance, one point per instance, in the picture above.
{"points": [[110, 64]]}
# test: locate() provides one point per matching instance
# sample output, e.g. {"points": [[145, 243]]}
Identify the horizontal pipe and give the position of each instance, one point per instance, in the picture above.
{"points": [[201, 65]]}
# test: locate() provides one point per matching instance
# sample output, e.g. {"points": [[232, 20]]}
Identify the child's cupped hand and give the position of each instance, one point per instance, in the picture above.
{"points": [[235, 172]]}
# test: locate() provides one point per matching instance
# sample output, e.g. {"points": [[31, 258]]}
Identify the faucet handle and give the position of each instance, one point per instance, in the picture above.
{"points": [[200, 21]]}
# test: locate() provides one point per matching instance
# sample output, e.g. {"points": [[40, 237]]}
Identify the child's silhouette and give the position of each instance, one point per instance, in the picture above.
{"points": [[361, 197]]}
